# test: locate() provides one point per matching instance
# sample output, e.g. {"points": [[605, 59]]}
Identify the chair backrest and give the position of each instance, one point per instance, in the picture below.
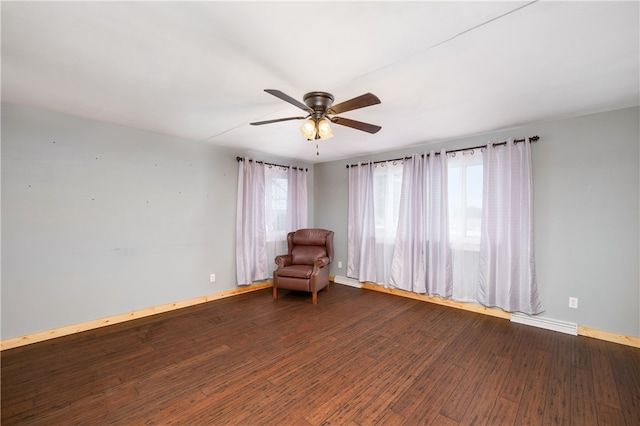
{"points": [[307, 245]]}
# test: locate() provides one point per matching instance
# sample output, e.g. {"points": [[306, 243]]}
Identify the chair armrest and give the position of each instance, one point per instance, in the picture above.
{"points": [[320, 262], [283, 260]]}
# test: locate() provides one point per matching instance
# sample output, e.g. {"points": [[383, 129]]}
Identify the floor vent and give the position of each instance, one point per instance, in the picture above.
{"points": [[546, 323], [347, 281]]}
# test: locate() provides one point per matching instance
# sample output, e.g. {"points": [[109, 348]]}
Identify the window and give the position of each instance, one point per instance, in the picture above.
{"points": [[465, 199], [387, 187], [275, 191]]}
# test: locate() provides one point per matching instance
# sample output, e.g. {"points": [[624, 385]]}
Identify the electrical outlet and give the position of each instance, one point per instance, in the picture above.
{"points": [[573, 302], [340, 265], [212, 278]]}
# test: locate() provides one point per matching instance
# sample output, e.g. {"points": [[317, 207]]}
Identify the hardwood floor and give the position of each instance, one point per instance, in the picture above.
{"points": [[357, 358]]}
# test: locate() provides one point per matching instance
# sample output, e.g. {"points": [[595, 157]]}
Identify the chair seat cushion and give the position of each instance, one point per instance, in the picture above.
{"points": [[296, 271]]}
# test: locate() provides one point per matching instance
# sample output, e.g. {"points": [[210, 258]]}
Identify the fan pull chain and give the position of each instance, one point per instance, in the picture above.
{"points": [[317, 150]]}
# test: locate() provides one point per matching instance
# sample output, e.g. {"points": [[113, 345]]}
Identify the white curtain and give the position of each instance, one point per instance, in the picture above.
{"points": [[297, 214], [387, 185], [409, 263], [286, 207], [465, 215], [507, 263], [276, 213], [272, 201], [251, 253], [439, 278], [422, 255], [361, 230]]}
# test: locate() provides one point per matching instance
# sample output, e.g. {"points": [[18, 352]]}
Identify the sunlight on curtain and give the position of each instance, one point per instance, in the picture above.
{"points": [[272, 201], [361, 226], [456, 226], [297, 210], [465, 211], [251, 253], [507, 261], [409, 261], [276, 194], [387, 185], [439, 277], [422, 256]]}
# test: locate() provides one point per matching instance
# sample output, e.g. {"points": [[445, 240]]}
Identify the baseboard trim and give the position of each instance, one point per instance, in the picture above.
{"points": [[609, 337], [103, 322], [458, 305], [581, 330]]}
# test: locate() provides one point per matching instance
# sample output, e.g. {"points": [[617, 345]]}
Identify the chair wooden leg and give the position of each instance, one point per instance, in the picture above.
{"points": [[275, 293], [314, 298], [327, 287]]}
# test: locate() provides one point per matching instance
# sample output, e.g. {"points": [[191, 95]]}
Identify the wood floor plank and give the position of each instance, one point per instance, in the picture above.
{"points": [[581, 357], [532, 403], [357, 358], [481, 406], [558, 403], [524, 359], [626, 371], [603, 378], [473, 380], [609, 416], [504, 412], [583, 398], [431, 403]]}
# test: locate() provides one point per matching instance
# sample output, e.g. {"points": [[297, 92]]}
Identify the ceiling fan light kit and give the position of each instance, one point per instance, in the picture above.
{"points": [[308, 129], [324, 129], [313, 129], [319, 107]]}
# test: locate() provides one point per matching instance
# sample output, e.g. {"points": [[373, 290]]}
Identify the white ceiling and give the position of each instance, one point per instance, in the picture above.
{"points": [[443, 70]]}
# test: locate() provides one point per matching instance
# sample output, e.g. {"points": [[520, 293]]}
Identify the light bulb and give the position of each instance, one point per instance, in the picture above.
{"points": [[308, 129], [324, 129]]}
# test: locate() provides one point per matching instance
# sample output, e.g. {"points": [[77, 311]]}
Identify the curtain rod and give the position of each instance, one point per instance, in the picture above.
{"points": [[532, 139], [238, 159]]}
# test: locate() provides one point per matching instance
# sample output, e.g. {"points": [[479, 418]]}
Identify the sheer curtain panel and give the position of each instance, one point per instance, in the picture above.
{"points": [[276, 212], [439, 277], [387, 185], [507, 263], [297, 214], [409, 264], [422, 255], [251, 253], [361, 230], [465, 216]]}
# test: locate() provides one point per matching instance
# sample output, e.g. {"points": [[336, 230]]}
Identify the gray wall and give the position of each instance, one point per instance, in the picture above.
{"points": [[100, 220], [108, 220], [586, 211]]}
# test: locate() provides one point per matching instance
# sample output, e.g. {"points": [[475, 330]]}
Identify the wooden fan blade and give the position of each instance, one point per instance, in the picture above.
{"points": [[365, 127], [259, 123], [287, 98], [361, 101]]}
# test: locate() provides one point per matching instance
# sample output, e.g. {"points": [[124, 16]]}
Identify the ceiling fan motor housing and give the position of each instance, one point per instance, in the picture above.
{"points": [[319, 102]]}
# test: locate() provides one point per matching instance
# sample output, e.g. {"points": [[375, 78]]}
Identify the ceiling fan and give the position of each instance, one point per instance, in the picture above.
{"points": [[319, 106]]}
